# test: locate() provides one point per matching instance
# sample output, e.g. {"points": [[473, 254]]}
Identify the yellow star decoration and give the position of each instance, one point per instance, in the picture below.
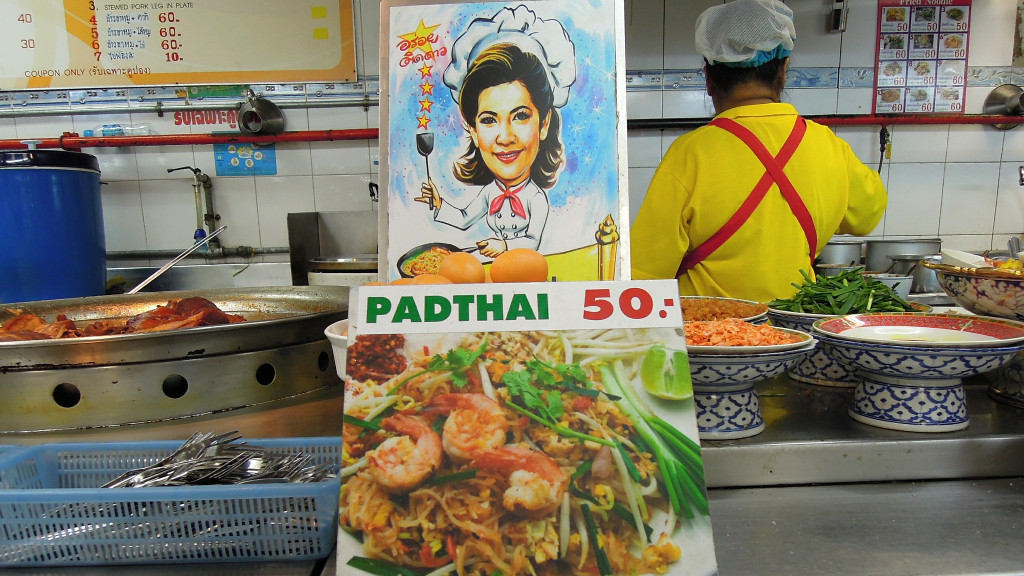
{"points": [[425, 70], [425, 104], [427, 88], [418, 40], [423, 121]]}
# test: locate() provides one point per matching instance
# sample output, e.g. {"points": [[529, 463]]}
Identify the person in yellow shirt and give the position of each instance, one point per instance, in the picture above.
{"points": [[740, 206]]}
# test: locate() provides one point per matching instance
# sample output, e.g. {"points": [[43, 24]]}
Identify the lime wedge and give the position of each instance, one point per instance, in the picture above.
{"points": [[665, 373]]}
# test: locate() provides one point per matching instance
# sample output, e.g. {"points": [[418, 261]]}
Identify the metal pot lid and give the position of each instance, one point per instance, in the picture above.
{"points": [[359, 263], [48, 159]]}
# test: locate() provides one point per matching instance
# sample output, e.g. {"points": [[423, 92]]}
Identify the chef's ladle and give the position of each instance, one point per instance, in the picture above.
{"points": [[425, 145]]}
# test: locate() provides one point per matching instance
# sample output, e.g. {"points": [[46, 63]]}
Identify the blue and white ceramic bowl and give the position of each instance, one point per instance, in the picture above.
{"points": [[723, 389], [718, 371], [907, 361], [913, 388], [818, 367], [985, 291]]}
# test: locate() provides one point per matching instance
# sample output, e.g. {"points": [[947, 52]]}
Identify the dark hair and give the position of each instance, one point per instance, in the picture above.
{"points": [[725, 79], [501, 64]]}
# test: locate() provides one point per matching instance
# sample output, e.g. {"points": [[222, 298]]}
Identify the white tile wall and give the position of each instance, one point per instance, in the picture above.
{"points": [[855, 101], [644, 148], [639, 180], [813, 101], [864, 140], [861, 23], [8, 129], [276, 196], [913, 191], [974, 143], [679, 26], [644, 26], [994, 45], [1009, 216], [968, 197], [235, 200], [919, 143], [644, 104], [123, 225], [816, 47], [169, 213]]}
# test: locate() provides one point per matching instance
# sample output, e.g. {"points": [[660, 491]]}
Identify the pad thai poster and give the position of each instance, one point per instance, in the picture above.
{"points": [[521, 452], [502, 131]]}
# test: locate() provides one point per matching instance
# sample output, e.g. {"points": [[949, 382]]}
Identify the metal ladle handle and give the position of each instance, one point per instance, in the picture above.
{"points": [[177, 259]]}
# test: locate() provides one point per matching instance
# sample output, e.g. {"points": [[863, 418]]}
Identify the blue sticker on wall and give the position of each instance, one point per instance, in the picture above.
{"points": [[245, 159]]}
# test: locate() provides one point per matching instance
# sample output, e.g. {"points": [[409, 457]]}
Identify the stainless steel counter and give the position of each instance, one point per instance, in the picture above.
{"points": [[810, 439], [816, 493], [951, 528]]}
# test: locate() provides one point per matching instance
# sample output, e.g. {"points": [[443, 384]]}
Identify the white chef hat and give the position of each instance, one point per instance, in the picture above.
{"points": [[745, 33], [520, 26]]}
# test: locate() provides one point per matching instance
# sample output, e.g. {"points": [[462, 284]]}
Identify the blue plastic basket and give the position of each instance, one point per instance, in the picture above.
{"points": [[52, 510]]}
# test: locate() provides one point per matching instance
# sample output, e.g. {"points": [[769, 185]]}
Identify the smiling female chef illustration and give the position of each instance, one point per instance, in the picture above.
{"points": [[509, 75]]}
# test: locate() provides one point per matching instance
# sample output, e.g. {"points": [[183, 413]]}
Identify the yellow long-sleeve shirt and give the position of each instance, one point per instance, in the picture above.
{"points": [[705, 176]]}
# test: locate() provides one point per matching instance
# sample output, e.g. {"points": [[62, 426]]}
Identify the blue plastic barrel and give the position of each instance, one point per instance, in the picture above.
{"points": [[51, 226]]}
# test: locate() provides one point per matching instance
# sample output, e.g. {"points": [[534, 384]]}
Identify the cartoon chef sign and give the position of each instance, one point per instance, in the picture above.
{"points": [[510, 75]]}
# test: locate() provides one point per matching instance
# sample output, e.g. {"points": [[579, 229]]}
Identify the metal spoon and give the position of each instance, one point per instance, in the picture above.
{"points": [[177, 259]]}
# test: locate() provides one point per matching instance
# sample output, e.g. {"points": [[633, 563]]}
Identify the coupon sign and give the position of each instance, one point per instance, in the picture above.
{"points": [[921, 56]]}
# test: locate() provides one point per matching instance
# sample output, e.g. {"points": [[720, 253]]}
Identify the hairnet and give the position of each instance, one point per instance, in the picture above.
{"points": [[745, 33]]}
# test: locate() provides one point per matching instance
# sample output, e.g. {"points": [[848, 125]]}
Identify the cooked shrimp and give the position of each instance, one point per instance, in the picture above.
{"points": [[399, 464], [475, 424], [536, 482]]}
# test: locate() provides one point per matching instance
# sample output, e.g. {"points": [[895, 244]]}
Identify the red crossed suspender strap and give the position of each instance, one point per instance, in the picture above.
{"points": [[774, 174]]}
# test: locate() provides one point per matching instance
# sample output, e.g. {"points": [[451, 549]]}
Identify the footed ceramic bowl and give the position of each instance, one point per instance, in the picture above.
{"points": [[818, 367], [723, 388], [984, 291], [917, 386]]}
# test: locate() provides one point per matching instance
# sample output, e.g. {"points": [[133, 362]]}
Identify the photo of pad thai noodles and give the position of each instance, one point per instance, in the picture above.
{"points": [[534, 453]]}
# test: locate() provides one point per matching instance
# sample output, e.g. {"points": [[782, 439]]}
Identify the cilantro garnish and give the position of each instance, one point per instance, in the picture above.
{"points": [[537, 394], [457, 361]]}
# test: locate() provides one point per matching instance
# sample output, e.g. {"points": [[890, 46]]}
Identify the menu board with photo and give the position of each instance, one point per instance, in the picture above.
{"points": [[521, 428], [921, 56]]}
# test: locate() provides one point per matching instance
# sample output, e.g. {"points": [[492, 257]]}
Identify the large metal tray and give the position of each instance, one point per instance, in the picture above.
{"points": [[275, 317]]}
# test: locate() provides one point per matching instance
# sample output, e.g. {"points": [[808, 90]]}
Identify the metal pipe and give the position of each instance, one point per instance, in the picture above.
{"points": [[229, 252], [72, 141], [160, 107]]}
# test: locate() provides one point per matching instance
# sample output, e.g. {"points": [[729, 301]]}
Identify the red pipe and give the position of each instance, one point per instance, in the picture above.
{"points": [[72, 141]]}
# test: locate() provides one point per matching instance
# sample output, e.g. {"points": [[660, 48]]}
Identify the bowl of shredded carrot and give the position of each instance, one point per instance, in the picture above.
{"points": [[733, 336], [727, 358]]}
